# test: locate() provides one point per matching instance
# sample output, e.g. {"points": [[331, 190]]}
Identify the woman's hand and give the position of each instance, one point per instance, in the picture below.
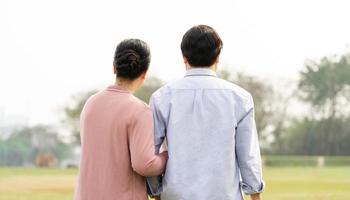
{"points": [[255, 197], [165, 154]]}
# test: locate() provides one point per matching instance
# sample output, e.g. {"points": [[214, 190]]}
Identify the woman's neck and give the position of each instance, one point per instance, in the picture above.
{"points": [[131, 86]]}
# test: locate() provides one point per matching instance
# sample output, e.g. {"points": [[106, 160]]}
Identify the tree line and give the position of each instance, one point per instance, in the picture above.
{"points": [[323, 90]]}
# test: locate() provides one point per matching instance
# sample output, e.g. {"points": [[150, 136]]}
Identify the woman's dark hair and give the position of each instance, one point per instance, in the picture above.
{"points": [[201, 45], [131, 58]]}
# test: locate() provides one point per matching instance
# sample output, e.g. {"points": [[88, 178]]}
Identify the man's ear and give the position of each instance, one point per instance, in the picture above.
{"points": [[185, 60], [215, 65], [217, 59], [187, 64]]}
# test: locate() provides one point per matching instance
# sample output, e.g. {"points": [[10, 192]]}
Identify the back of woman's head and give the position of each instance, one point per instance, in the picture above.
{"points": [[131, 58]]}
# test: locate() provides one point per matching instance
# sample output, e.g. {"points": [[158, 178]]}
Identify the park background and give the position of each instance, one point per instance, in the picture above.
{"points": [[293, 56]]}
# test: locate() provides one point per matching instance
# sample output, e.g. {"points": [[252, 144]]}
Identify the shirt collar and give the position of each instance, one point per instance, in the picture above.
{"points": [[200, 72], [117, 88]]}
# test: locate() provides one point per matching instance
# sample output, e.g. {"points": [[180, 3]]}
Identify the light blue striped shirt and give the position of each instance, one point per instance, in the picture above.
{"points": [[209, 129]]}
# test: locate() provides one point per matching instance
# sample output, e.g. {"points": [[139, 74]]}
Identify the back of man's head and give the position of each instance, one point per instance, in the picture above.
{"points": [[201, 46]]}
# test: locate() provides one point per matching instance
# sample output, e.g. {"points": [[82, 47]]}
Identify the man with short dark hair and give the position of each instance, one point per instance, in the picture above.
{"points": [[209, 127]]}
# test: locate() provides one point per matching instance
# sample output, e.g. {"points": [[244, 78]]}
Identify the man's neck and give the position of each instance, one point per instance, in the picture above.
{"points": [[213, 67]]}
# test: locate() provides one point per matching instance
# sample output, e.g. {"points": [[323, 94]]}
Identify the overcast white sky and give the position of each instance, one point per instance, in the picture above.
{"points": [[50, 50]]}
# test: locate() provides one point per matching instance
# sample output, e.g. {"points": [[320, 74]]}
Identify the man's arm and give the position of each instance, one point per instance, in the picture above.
{"points": [[248, 153], [159, 124], [141, 144], [154, 184]]}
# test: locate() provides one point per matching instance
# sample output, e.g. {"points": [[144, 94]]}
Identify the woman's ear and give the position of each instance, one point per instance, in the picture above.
{"points": [[114, 70], [143, 75]]}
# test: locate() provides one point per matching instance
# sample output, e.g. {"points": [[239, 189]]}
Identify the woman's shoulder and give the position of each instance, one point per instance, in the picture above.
{"points": [[138, 104]]}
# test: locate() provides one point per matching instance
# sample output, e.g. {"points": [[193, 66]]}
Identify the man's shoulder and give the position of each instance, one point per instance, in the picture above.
{"points": [[166, 89], [218, 83], [238, 91]]}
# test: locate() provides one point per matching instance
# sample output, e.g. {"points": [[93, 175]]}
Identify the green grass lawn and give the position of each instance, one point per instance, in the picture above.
{"points": [[282, 183]]}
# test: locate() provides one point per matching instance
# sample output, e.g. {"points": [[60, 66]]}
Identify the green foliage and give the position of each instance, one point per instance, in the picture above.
{"points": [[25, 144], [305, 161], [326, 87], [16, 150], [283, 161], [270, 105], [14, 153], [148, 88], [337, 161], [313, 137], [262, 94], [325, 84]]}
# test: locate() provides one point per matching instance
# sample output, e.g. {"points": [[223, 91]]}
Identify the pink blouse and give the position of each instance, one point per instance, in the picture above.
{"points": [[117, 147]]}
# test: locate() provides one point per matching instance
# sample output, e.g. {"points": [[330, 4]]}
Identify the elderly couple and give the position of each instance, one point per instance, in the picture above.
{"points": [[205, 125]]}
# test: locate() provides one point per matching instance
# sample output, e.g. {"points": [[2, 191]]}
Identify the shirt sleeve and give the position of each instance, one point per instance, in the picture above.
{"points": [[154, 184], [141, 144], [159, 125], [248, 152]]}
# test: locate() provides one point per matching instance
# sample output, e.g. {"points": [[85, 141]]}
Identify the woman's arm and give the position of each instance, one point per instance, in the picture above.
{"points": [[142, 149]]}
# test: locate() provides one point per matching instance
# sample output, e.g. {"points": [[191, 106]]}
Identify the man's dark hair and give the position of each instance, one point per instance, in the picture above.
{"points": [[131, 58], [201, 45]]}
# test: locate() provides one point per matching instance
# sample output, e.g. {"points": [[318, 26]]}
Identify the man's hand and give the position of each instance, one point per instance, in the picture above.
{"points": [[255, 197]]}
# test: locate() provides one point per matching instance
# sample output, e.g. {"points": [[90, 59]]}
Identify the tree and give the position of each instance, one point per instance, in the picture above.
{"points": [[325, 85], [270, 105], [150, 86], [307, 137], [262, 94], [25, 144]]}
